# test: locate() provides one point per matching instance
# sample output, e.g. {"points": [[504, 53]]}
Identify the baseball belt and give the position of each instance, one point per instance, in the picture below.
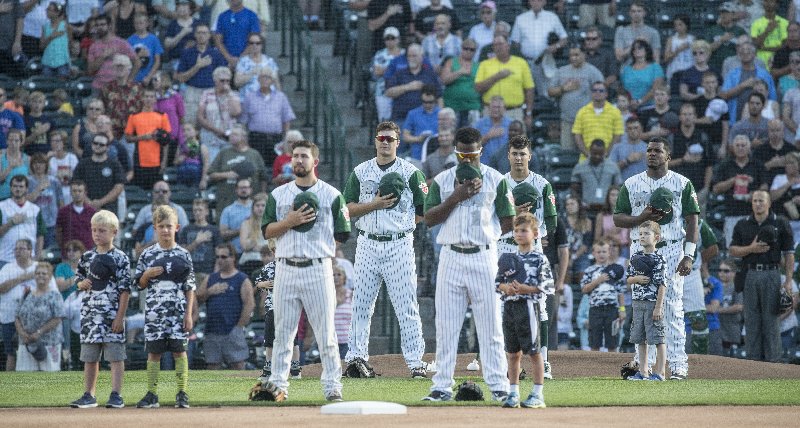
{"points": [[301, 263], [469, 250], [384, 237], [762, 266]]}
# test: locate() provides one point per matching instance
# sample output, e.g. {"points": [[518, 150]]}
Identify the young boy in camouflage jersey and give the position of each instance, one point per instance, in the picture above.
{"points": [[646, 276], [165, 271], [606, 297], [104, 273]]}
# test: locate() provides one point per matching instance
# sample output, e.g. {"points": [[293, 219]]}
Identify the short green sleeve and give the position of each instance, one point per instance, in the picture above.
{"points": [[707, 236], [503, 201], [270, 212], [623, 202], [434, 198], [689, 204], [418, 187], [341, 216], [352, 188]]}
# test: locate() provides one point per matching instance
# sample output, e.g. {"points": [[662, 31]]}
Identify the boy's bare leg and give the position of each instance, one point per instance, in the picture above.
{"points": [[514, 359], [90, 376], [538, 368], [661, 351], [644, 367], [117, 374]]}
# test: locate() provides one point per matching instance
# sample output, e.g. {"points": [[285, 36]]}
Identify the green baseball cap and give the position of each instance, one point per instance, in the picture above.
{"points": [[465, 171], [310, 199], [662, 200], [392, 184], [524, 193]]}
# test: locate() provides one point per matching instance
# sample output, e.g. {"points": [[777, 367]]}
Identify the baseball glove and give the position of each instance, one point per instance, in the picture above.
{"points": [[359, 368], [469, 391], [785, 301], [266, 391], [628, 369]]}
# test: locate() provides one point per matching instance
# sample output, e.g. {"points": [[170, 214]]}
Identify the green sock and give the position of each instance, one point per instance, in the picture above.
{"points": [[153, 368], [182, 372]]}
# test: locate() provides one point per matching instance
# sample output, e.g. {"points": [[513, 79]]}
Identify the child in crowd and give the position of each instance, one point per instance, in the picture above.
{"points": [[713, 290], [61, 100], [37, 124], [344, 310], [192, 159], [646, 276], [165, 271], [61, 163], [104, 281], [603, 282], [522, 279], [200, 238]]}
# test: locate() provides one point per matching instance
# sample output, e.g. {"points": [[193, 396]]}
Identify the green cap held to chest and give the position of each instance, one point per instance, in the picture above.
{"points": [[392, 184], [310, 199]]}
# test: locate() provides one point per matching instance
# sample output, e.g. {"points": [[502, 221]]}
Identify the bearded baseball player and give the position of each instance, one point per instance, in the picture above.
{"points": [[475, 206], [694, 304], [678, 234], [539, 200], [385, 247], [306, 217]]}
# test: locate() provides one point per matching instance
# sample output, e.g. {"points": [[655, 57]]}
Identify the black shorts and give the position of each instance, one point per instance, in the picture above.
{"points": [[521, 326], [269, 330], [162, 346], [600, 320]]}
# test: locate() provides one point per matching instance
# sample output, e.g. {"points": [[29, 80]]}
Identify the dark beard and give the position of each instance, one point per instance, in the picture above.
{"points": [[301, 173]]}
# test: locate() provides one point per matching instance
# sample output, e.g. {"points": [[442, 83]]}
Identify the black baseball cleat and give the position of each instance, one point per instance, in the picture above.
{"points": [[182, 400], [150, 401], [419, 373]]}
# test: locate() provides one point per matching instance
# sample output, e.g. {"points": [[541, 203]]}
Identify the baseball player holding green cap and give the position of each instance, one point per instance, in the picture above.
{"points": [[387, 194]]}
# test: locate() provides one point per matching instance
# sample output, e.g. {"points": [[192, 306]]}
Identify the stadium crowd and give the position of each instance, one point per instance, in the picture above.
{"points": [[182, 102]]}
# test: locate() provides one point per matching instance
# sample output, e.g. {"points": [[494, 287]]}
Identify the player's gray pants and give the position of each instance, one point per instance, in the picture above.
{"points": [[464, 278], [310, 288], [392, 262], [673, 311]]}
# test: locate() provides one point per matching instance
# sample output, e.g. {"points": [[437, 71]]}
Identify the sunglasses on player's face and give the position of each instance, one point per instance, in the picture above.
{"points": [[386, 138], [467, 155]]}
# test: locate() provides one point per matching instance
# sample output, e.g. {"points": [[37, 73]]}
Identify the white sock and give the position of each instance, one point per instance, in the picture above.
{"points": [[537, 389], [515, 389], [544, 353]]}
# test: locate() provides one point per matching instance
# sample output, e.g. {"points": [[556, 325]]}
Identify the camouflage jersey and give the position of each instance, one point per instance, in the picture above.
{"points": [[99, 308], [267, 273], [648, 292], [606, 293]]}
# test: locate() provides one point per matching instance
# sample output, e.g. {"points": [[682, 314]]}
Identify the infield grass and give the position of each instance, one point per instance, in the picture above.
{"points": [[207, 388]]}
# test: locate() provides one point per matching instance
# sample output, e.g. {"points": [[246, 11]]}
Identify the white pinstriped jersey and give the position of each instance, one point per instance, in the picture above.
{"points": [[362, 186], [635, 195], [332, 216], [545, 191], [475, 221]]}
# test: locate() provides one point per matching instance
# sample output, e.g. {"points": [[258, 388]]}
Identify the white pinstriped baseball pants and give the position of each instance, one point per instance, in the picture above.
{"points": [[311, 288], [673, 310], [469, 279]]}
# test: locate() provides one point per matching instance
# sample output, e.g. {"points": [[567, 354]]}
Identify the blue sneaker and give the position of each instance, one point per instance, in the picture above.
{"points": [[534, 401], [512, 402], [656, 377], [638, 376], [115, 401], [86, 401]]}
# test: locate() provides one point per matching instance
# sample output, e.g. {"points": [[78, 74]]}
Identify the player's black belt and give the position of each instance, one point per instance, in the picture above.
{"points": [[469, 249], [384, 237], [301, 263], [762, 266]]}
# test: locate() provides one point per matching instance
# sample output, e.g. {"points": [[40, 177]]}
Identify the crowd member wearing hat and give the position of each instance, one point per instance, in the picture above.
{"points": [[267, 115], [723, 35], [380, 62], [237, 161], [307, 217], [602, 281], [764, 241], [474, 205], [668, 198], [38, 324], [387, 195], [483, 32], [228, 295], [104, 279]]}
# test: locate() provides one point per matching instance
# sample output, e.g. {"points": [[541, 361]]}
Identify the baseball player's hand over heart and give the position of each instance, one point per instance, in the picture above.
{"points": [[467, 189], [758, 247], [524, 208], [658, 313], [684, 267], [650, 213], [383, 202], [301, 215]]}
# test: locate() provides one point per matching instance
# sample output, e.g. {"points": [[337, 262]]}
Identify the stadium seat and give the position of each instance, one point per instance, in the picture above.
{"points": [[560, 178], [44, 84], [63, 121], [556, 157], [7, 83]]}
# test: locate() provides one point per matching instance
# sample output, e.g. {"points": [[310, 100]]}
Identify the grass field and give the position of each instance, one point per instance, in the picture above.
{"points": [[208, 388]]}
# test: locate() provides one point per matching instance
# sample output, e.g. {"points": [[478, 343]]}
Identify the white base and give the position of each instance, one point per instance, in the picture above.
{"points": [[364, 408]]}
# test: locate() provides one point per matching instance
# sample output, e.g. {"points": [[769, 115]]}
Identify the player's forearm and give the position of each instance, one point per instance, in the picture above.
{"points": [[626, 220], [440, 213], [358, 209], [276, 229]]}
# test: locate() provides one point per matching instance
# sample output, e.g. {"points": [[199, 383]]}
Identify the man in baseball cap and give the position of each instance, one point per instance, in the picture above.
{"points": [[391, 32]]}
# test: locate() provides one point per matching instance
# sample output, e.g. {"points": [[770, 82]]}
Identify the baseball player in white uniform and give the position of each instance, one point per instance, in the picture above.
{"points": [[473, 213], [694, 304], [519, 156], [679, 235], [304, 271], [385, 247]]}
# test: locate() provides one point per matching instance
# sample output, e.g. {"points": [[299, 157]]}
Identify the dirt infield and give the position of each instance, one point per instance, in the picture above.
{"points": [[574, 364], [417, 416]]}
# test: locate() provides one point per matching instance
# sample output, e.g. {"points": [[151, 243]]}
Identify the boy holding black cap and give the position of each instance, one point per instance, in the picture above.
{"points": [[104, 274], [602, 281], [165, 270]]}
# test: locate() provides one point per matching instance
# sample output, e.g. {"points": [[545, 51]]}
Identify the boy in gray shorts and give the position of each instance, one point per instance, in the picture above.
{"points": [[104, 273], [646, 276]]}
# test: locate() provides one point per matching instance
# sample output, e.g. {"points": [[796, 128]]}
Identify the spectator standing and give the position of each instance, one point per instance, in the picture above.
{"points": [[421, 122], [122, 13], [508, 76], [773, 154], [785, 191], [192, 159], [692, 154], [103, 175], [483, 32], [593, 177], [579, 237], [738, 83], [282, 167], [691, 79], [148, 49], [626, 36], [380, 62], [195, 69], [769, 31], [425, 19], [267, 114], [493, 128], [601, 56], [200, 238], [55, 42], [723, 36], [37, 123], [753, 125], [151, 156], [11, 19], [73, 221], [83, 132], [122, 97], [38, 324], [572, 87], [388, 13], [232, 28], [604, 225], [20, 219], [12, 162], [9, 119], [792, 78], [160, 196], [179, 32], [441, 44], [234, 163], [170, 102], [658, 118], [500, 160], [61, 163], [712, 114], [642, 75], [218, 110], [532, 32], [65, 272], [251, 238], [343, 315], [600, 12], [678, 51], [762, 253], [598, 120], [102, 55], [234, 215], [228, 295], [729, 312], [404, 87], [16, 279], [458, 75], [781, 59], [629, 154], [250, 65], [44, 190]]}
